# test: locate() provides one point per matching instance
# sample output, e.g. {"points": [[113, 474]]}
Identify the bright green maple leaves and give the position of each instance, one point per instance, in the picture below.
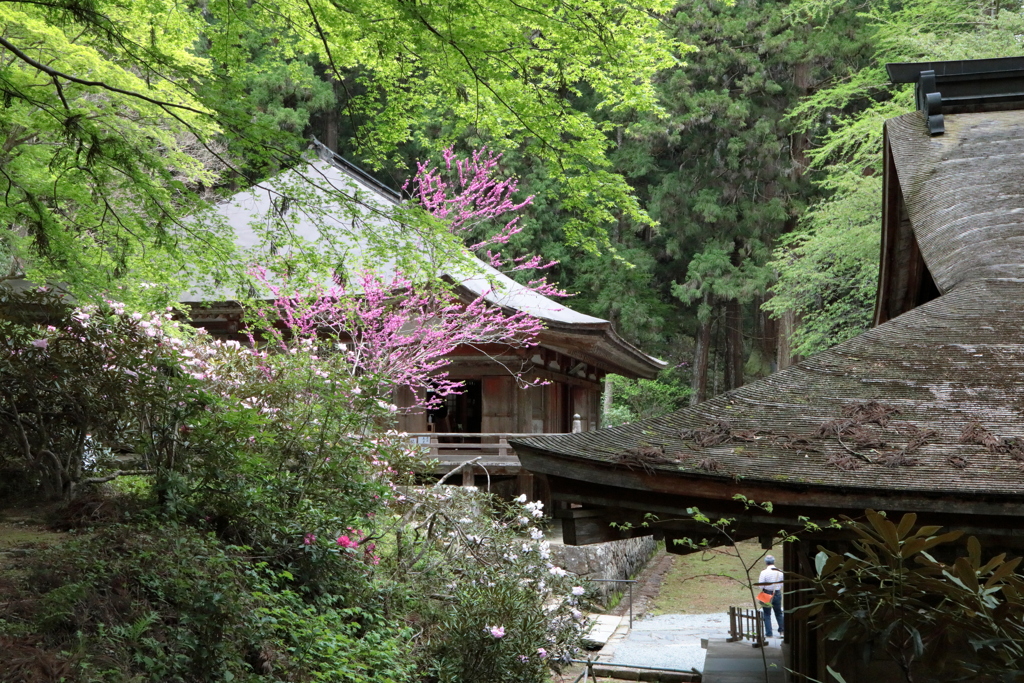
{"points": [[115, 115], [94, 176]]}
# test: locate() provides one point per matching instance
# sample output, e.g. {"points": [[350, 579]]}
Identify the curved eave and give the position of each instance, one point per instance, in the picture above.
{"points": [[948, 369], [585, 337], [620, 484], [604, 348]]}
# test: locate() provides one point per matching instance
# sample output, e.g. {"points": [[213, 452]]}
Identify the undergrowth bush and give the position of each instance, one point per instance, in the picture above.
{"points": [[169, 603], [268, 530], [492, 606]]}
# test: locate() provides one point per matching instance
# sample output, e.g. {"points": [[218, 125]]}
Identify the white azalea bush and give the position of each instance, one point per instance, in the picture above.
{"points": [[492, 606]]}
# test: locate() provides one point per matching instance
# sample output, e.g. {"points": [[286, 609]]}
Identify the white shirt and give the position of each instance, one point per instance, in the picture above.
{"points": [[770, 579]]}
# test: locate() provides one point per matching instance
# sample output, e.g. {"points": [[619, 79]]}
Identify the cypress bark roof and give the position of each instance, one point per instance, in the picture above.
{"points": [[963, 193], [923, 397], [930, 403]]}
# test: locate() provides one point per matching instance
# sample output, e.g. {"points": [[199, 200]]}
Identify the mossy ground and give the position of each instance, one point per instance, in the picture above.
{"points": [[711, 581]]}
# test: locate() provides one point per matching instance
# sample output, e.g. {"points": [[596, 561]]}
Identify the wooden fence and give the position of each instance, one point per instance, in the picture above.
{"points": [[453, 449], [745, 623]]}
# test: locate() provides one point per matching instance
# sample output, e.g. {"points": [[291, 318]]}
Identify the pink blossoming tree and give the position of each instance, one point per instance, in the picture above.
{"points": [[395, 331], [469, 193]]}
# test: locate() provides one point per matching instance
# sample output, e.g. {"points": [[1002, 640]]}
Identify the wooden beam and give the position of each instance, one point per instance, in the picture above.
{"points": [[588, 530], [790, 500]]}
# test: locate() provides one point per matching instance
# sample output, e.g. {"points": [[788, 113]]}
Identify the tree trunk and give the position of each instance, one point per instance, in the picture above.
{"points": [[786, 357], [607, 399], [733, 345], [799, 143], [331, 122], [699, 384], [767, 336]]}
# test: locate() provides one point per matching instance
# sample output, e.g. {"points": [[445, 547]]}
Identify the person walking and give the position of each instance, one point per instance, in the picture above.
{"points": [[770, 582]]}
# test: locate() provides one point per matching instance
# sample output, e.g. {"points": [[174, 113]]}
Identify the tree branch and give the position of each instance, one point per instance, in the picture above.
{"points": [[53, 73]]}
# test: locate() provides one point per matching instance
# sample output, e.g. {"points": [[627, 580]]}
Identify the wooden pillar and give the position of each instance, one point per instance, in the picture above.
{"points": [[524, 485], [468, 478]]}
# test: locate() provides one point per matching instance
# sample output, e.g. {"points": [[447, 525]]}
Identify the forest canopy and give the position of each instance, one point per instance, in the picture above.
{"points": [[119, 118]]}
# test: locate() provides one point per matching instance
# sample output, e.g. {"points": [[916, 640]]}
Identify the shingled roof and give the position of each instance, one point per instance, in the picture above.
{"points": [[929, 402], [304, 203], [927, 406]]}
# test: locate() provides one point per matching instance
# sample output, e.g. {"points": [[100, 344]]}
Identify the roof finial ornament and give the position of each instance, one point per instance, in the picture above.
{"points": [[966, 85], [929, 102]]}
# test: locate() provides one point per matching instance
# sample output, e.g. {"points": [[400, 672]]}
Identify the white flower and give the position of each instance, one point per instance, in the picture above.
{"points": [[578, 590], [536, 508], [557, 571], [521, 498], [536, 534]]}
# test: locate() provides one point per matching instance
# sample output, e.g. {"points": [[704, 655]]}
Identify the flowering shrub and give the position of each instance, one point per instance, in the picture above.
{"points": [[386, 332], [85, 377], [467, 195], [493, 607]]}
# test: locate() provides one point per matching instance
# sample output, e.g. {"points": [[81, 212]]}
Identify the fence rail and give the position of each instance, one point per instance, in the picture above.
{"points": [[745, 623], [453, 449]]}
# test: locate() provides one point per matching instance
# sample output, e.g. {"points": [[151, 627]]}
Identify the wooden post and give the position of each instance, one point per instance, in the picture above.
{"points": [[467, 476], [524, 484]]}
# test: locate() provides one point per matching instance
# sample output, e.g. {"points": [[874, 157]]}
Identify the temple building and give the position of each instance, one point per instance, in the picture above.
{"points": [[573, 354]]}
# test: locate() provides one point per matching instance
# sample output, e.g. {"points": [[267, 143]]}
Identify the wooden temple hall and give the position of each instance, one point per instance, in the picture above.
{"points": [[573, 354], [922, 413]]}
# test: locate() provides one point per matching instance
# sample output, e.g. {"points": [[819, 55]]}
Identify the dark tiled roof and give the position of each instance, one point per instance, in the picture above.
{"points": [[952, 368]]}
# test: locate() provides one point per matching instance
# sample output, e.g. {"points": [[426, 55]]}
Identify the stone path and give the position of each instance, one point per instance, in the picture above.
{"points": [[674, 642]]}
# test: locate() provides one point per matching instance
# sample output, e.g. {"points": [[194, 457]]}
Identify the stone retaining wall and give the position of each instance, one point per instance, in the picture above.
{"points": [[612, 560]]}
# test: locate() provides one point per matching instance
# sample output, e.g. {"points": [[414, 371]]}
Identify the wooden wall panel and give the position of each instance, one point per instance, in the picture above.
{"points": [[499, 404], [581, 405], [409, 422]]}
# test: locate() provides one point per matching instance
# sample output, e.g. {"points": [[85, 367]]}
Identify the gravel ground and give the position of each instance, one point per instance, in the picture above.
{"points": [[672, 641]]}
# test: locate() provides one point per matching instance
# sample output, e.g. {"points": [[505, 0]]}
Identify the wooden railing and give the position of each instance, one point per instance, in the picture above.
{"points": [[745, 623], [452, 450]]}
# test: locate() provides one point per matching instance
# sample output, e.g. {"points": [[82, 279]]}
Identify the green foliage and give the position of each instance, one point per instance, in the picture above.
{"points": [[639, 399], [828, 272], [167, 602], [910, 592], [116, 116], [94, 177]]}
